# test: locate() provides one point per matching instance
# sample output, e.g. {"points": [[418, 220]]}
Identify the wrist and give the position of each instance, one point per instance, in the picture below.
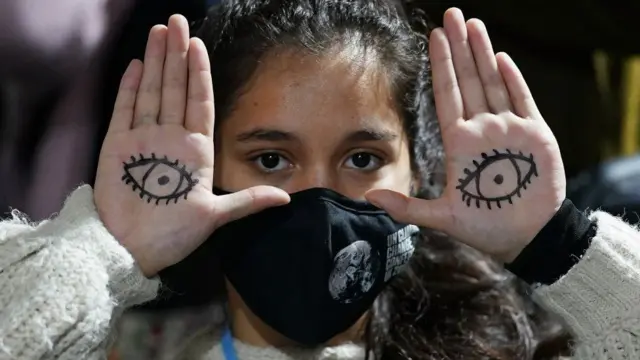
{"points": [[556, 248], [80, 226]]}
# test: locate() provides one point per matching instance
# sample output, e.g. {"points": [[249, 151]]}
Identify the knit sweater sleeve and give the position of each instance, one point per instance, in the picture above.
{"points": [[599, 297], [63, 282]]}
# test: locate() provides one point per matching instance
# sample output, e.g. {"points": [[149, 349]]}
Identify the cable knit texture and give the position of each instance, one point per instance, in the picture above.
{"points": [[62, 283], [65, 281], [600, 297]]}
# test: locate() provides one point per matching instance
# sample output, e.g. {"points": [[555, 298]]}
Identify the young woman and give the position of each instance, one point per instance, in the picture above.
{"points": [[321, 105]]}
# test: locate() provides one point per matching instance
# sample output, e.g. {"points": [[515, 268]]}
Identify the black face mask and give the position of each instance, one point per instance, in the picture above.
{"points": [[310, 269]]}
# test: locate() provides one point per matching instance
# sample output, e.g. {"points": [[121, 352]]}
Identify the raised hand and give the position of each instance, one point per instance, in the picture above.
{"points": [[505, 177], [153, 188]]}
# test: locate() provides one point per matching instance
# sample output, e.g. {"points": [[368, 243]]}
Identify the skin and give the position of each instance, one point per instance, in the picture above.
{"points": [[166, 107], [309, 122]]}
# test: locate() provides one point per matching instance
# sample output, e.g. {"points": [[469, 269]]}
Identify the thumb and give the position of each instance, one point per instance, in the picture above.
{"points": [[433, 214], [239, 204]]}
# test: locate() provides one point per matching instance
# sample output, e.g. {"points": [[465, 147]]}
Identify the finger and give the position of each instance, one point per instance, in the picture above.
{"points": [[445, 85], [237, 205], [433, 214], [494, 88], [122, 117], [149, 93], [471, 88], [200, 115], [174, 78], [521, 98]]}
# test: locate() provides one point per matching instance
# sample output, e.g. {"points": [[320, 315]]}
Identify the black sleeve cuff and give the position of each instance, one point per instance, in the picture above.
{"points": [[556, 248]]}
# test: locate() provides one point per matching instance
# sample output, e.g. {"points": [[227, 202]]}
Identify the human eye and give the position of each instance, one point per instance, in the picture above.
{"points": [[271, 162], [363, 161]]}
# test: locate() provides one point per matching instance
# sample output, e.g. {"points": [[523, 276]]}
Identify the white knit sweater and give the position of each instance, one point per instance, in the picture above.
{"points": [[65, 281]]}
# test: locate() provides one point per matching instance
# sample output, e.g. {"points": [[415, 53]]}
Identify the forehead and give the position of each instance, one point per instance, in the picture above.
{"points": [[305, 93]]}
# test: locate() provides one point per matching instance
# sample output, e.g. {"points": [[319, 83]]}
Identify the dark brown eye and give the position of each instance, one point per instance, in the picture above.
{"points": [[363, 161], [271, 162]]}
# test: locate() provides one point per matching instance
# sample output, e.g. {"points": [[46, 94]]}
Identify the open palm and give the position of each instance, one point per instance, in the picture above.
{"points": [[153, 187], [505, 177]]}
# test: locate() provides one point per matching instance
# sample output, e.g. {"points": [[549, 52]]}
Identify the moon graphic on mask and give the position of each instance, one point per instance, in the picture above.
{"points": [[354, 272]]}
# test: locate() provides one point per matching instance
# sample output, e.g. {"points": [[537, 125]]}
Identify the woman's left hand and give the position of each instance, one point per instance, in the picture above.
{"points": [[505, 177]]}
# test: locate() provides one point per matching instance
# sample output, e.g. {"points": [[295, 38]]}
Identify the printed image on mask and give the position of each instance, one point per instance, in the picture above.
{"points": [[353, 273], [310, 269]]}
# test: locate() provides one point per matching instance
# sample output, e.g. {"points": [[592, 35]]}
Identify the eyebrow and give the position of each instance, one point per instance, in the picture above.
{"points": [[272, 135], [261, 134], [371, 135]]}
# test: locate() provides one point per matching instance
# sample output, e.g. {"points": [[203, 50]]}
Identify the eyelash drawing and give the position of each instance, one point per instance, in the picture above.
{"points": [[158, 179], [522, 178]]}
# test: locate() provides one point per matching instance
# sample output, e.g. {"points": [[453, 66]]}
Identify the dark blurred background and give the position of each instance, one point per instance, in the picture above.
{"points": [[61, 62]]}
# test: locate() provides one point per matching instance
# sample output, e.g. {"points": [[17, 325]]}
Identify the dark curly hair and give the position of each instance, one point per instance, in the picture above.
{"points": [[452, 302]]}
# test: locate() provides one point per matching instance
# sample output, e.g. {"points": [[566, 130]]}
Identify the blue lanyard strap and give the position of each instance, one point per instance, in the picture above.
{"points": [[227, 345]]}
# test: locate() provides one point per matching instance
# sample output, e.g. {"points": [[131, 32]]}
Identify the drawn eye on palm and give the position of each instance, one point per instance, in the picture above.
{"points": [[496, 179], [158, 179]]}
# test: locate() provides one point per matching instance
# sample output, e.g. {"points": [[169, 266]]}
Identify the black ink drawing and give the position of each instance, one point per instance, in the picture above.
{"points": [[511, 176], [158, 179]]}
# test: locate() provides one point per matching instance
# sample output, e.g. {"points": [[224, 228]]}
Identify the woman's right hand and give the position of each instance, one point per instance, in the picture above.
{"points": [[153, 187]]}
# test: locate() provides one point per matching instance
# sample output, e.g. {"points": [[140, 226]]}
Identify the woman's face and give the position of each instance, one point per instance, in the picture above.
{"points": [[307, 122]]}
